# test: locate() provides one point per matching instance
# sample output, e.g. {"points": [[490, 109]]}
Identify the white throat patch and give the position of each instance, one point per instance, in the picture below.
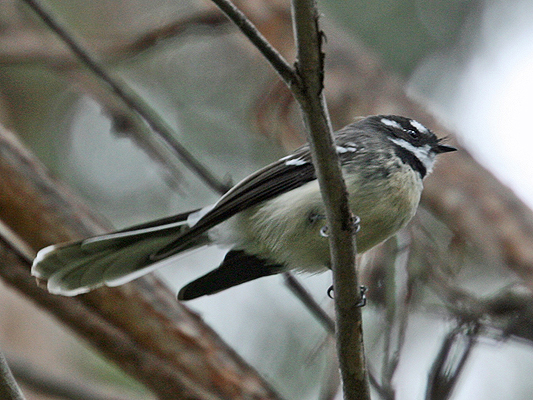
{"points": [[423, 153]]}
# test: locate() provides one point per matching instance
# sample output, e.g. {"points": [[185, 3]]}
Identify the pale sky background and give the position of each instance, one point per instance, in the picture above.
{"points": [[490, 99]]}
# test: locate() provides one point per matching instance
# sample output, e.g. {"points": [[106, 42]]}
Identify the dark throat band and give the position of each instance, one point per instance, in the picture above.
{"points": [[410, 159]]}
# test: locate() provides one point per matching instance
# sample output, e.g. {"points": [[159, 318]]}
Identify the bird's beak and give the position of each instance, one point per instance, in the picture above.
{"points": [[442, 148]]}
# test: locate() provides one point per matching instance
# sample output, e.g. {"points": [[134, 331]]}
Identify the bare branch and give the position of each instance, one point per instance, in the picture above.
{"points": [[130, 98], [281, 66], [349, 333], [26, 45], [139, 326], [67, 389], [9, 389], [308, 90]]}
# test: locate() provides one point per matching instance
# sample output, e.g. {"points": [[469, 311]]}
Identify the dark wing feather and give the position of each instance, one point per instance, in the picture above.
{"points": [[279, 177], [173, 219]]}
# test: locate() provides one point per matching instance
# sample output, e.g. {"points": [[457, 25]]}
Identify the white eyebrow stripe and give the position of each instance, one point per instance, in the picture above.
{"points": [[391, 123], [418, 126]]}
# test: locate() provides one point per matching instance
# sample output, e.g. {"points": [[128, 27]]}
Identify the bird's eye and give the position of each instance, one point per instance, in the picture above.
{"points": [[412, 133]]}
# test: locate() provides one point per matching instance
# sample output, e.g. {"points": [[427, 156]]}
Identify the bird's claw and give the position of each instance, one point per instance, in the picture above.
{"points": [[363, 289]]}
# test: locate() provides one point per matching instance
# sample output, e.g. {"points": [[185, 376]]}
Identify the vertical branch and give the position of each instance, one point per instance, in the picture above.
{"points": [[349, 333], [306, 83]]}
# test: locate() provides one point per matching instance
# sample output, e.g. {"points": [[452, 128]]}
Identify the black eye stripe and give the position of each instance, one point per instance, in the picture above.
{"points": [[408, 129], [396, 132]]}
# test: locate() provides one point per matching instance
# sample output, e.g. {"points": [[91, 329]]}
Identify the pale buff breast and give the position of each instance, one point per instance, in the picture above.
{"points": [[284, 229]]}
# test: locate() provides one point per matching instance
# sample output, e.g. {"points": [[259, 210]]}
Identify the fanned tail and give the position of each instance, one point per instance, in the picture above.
{"points": [[77, 267]]}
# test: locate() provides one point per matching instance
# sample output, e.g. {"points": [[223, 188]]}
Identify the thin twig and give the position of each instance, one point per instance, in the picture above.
{"points": [[129, 97], [306, 85], [9, 389], [349, 332], [281, 66], [308, 90]]}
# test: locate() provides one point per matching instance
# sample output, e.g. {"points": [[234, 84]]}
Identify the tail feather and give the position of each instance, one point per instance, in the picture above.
{"points": [[77, 267], [238, 267]]}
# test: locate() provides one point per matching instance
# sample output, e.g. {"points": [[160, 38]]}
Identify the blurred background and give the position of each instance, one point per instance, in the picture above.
{"points": [[469, 62]]}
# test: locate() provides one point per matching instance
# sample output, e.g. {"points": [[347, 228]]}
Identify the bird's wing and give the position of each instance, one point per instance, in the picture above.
{"points": [[277, 178]]}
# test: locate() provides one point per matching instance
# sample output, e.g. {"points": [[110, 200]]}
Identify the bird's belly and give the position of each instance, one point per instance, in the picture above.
{"points": [[289, 229]]}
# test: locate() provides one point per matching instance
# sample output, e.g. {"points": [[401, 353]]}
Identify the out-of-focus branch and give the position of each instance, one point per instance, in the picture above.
{"points": [[139, 326], [130, 98], [9, 389], [42, 382], [23, 44], [450, 361]]}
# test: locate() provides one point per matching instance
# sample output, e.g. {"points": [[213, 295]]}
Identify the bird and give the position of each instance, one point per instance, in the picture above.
{"points": [[270, 222]]}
